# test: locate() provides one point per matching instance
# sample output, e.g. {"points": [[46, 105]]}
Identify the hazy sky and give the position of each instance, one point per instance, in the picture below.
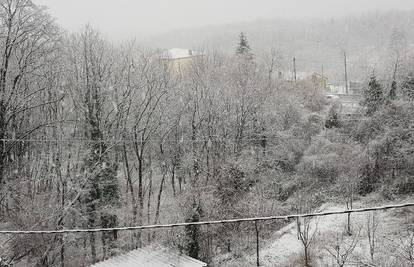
{"points": [[125, 18]]}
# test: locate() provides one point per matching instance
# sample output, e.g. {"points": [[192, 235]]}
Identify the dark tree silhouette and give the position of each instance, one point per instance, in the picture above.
{"points": [[243, 47], [333, 120], [392, 95], [373, 96], [193, 231]]}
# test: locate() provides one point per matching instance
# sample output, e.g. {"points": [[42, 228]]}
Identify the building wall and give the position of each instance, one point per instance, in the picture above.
{"points": [[180, 65]]}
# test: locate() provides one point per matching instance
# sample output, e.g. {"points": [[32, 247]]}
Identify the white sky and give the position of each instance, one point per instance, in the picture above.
{"points": [[127, 18]]}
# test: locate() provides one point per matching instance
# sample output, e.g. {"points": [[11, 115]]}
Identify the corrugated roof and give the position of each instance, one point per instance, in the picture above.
{"points": [[151, 257]]}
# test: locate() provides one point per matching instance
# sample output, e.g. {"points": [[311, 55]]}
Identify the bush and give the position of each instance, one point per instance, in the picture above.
{"points": [[368, 182], [333, 120], [286, 191], [405, 186], [233, 183], [290, 116], [315, 102], [322, 166]]}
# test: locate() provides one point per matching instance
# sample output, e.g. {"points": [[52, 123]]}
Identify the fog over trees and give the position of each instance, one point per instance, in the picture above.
{"points": [[96, 133]]}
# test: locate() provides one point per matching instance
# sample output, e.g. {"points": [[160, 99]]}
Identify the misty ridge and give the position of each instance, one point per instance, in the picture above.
{"points": [[366, 38], [272, 142], [349, 32]]}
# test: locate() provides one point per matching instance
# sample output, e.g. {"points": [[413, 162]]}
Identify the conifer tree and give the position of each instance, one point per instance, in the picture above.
{"points": [[333, 119], [373, 96], [243, 47], [392, 95], [193, 231]]}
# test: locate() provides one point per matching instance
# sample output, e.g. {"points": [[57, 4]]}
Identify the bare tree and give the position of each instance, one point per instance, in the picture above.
{"points": [[90, 68], [27, 41], [348, 186], [307, 228], [147, 81], [29, 73], [342, 248], [404, 247]]}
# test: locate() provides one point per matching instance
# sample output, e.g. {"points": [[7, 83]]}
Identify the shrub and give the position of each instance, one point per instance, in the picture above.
{"points": [[322, 166]]}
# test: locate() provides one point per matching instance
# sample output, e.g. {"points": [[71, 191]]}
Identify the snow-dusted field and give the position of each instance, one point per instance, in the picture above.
{"points": [[285, 249]]}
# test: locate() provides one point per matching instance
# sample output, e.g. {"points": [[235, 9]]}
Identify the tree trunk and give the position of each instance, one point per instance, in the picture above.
{"points": [[140, 197], [93, 248], [157, 212], [349, 217], [2, 142], [306, 256], [149, 204], [134, 206], [139, 153], [173, 179]]}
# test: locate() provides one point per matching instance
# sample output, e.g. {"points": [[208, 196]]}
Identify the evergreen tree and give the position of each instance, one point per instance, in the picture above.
{"points": [[392, 95], [407, 87], [243, 47], [333, 119], [193, 231], [102, 196], [373, 96]]}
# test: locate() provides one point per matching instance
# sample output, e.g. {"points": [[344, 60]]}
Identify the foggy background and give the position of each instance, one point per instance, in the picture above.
{"points": [[315, 32], [127, 18]]}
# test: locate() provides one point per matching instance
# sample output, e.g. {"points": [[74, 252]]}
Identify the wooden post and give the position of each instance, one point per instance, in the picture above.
{"points": [[346, 76], [257, 244]]}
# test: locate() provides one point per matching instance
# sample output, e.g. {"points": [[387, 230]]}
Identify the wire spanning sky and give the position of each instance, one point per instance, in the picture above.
{"points": [[128, 18]]}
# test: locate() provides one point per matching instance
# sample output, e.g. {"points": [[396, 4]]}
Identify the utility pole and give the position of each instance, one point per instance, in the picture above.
{"points": [[294, 69], [346, 76], [323, 79]]}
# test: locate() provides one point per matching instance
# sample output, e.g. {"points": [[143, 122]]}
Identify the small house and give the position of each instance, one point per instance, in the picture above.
{"points": [[180, 59]]}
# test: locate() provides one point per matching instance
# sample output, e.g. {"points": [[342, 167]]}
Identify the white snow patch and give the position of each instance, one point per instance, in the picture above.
{"points": [[286, 247]]}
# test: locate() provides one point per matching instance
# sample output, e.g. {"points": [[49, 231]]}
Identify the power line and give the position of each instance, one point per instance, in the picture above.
{"points": [[161, 226], [168, 140], [147, 141], [212, 139]]}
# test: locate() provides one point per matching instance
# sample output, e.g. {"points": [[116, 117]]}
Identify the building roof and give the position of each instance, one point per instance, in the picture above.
{"points": [[177, 53], [151, 257]]}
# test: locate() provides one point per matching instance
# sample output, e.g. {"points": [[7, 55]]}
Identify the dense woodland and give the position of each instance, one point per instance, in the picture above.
{"points": [[94, 135]]}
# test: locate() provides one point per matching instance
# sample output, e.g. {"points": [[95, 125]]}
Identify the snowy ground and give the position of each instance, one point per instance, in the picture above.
{"points": [[285, 249]]}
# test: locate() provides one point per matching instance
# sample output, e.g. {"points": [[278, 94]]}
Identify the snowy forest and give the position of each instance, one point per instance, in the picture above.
{"points": [[102, 134]]}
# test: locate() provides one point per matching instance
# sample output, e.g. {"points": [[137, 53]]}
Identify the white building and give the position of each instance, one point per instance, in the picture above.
{"points": [[180, 53], [354, 88]]}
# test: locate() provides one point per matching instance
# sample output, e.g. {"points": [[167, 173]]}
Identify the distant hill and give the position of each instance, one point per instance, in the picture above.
{"points": [[366, 38]]}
